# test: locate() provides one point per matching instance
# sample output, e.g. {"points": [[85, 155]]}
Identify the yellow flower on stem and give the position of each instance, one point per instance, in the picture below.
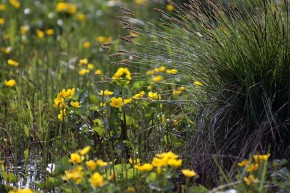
{"points": [[75, 104], [2, 7], [2, 21], [127, 101], [10, 83], [144, 168], [86, 44], [131, 190], [40, 34], [160, 69], [76, 158], [261, 158], [243, 163], [76, 174], [175, 162], [157, 78], [85, 150], [188, 173], [251, 179], [252, 167], [105, 92], [170, 7], [150, 72], [83, 72], [139, 95], [91, 164], [171, 71], [197, 83], [15, 3], [116, 102], [84, 61], [101, 163], [49, 32], [97, 180], [134, 161], [12, 62], [98, 72]]}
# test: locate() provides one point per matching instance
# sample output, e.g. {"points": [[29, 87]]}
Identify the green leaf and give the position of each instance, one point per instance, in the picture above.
{"points": [[9, 177], [49, 183], [100, 130], [164, 185], [199, 189], [62, 165], [26, 155]]}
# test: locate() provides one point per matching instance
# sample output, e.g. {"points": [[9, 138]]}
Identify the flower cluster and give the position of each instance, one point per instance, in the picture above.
{"points": [[63, 100], [80, 167], [161, 162], [251, 167]]}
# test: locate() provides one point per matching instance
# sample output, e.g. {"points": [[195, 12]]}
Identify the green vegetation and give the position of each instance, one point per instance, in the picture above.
{"points": [[96, 98]]}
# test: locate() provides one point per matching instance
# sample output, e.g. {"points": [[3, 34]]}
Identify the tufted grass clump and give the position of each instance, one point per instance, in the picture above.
{"points": [[239, 56]]}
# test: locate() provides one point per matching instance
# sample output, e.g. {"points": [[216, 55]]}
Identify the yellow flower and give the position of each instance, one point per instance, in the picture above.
{"points": [[122, 73], [91, 164], [102, 104], [160, 69], [171, 71], [188, 173], [97, 180], [182, 88], [76, 174], [2, 7], [86, 44], [98, 72], [23, 30], [141, 2], [249, 180], [134, 161], [198, 83], [243, 163], [10, 83], [116, 102], [144, 168], [75, 104], [76, 158], [130, 190], [170, 7], [105, 92], [49, 32], [81, 17], [61, 114], [83, 72], [159, 162], [261, 158], [150, 72], [15, 3], [40, 34], [101, 39], [12, 62], [2, 21], [66, 7], [139, 95], [127, 101], [157, 78], [85, 150], [101, 163], [27, 190], [168, 155], [154, 96], [176, 92], [7, 50], [252, 167], [84, 61], [175, 162]]}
